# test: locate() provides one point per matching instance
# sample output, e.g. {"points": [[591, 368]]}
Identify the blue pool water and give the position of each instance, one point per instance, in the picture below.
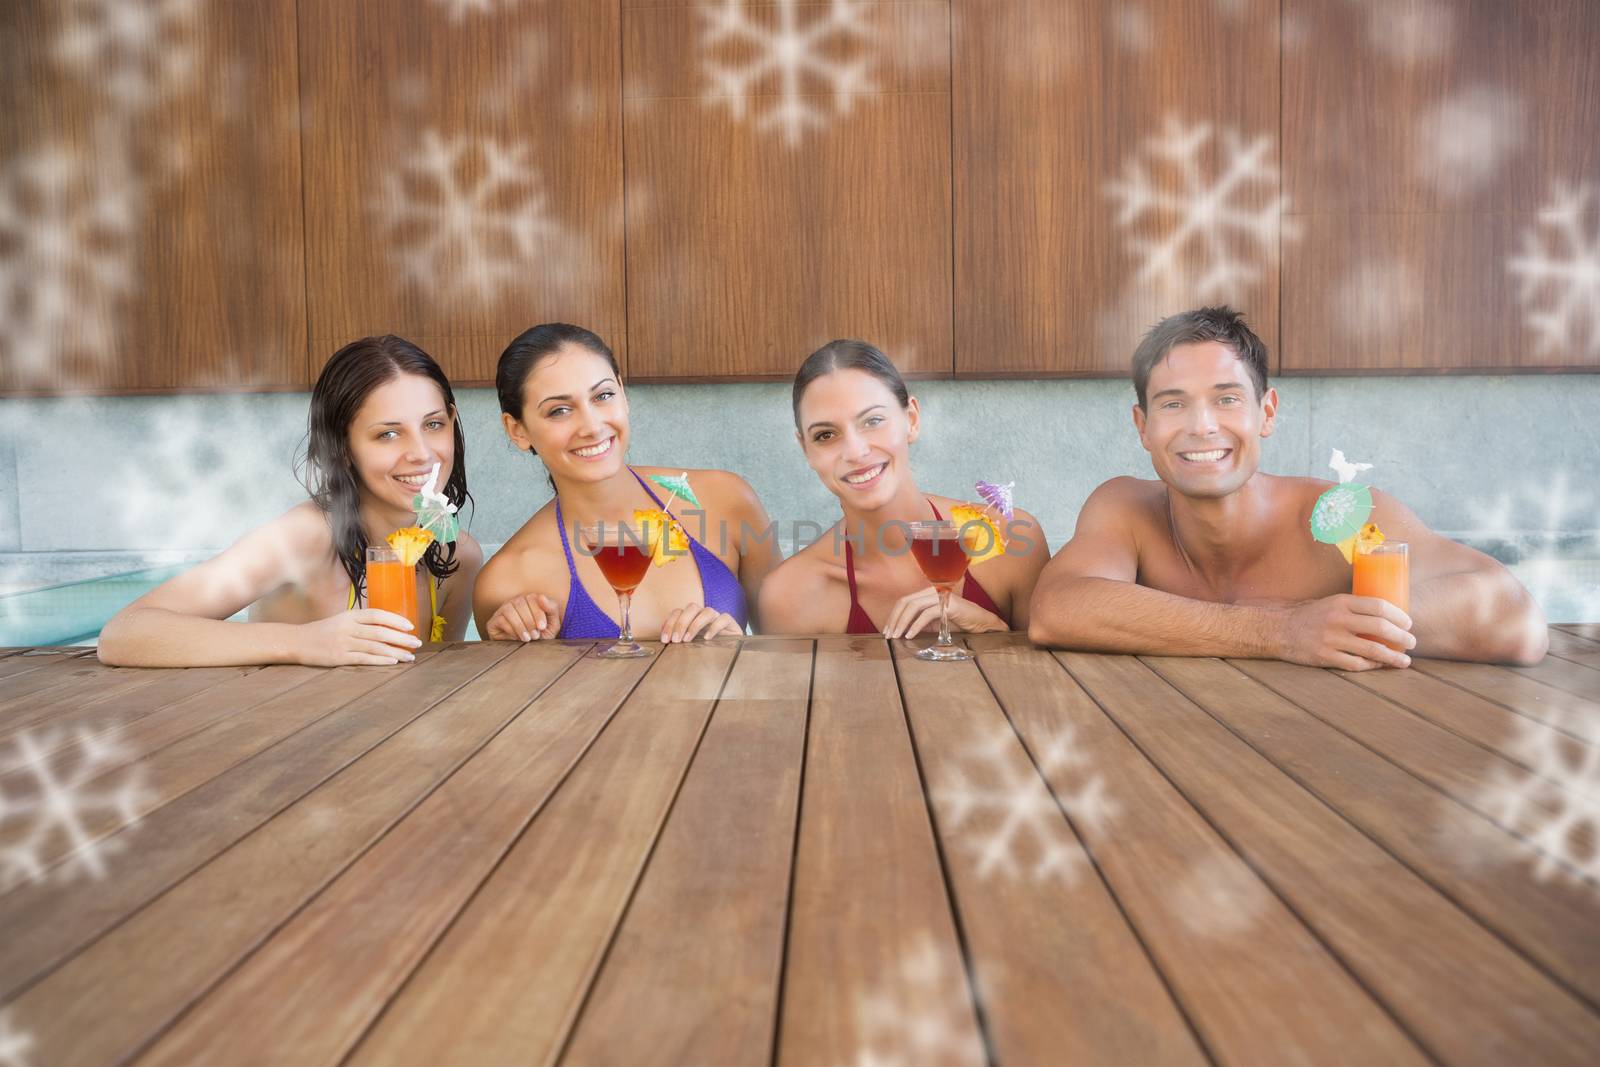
{"points": [[74, 612]]}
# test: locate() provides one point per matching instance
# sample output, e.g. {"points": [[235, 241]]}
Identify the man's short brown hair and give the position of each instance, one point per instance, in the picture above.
{"points": [[1220, 323]]}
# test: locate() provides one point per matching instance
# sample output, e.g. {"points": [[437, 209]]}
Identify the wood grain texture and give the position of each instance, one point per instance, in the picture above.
{"points": [[1460, 852], [1204, 916], [749, 248], [407, 113], [1421, 142], [310, 992], [871, 935], [1053, 103], [694, 972], [1575, 649], [358, 708], [1568, 712], [1590, 631], [162, 151], [1476, 1002], [505, 982]]}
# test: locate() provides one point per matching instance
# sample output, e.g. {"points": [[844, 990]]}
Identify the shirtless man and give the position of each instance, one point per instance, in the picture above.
{"points": [[1217, 559]]}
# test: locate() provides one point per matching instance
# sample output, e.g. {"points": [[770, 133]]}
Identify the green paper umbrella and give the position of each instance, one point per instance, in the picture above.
{"points": [[441, 522], [677, 485], [1341, 512]]}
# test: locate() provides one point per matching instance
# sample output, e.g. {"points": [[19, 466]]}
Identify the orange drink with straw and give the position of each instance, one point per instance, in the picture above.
{"points": [[1384, 571], [391, 583]]}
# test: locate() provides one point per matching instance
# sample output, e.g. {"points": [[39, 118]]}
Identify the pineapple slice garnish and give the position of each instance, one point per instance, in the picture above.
{"points": [[656, 523], [980, 546], [409, 543]]}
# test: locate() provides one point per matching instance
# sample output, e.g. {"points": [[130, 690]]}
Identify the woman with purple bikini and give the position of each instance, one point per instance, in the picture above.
{"points": [[562, 400]]}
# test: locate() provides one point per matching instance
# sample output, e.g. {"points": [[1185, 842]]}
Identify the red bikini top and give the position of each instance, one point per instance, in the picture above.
{"points": [[861, 623]]}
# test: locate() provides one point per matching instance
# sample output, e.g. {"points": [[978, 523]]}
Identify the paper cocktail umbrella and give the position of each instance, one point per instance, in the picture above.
{"points": [[1341, 512], [998, 497], [678, 486], [434, 511]]}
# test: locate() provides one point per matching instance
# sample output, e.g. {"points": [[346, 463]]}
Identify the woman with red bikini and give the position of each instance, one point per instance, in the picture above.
{"points": [[856, 421]]}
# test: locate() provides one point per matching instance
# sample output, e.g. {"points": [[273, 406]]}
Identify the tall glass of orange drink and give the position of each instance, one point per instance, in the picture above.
{"points": [[391, 585], [1384, 571]]}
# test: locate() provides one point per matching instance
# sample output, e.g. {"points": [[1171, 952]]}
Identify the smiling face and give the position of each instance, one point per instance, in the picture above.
{"points": [[400, 431], [1204, 424], [857, 437], [574, 415]]}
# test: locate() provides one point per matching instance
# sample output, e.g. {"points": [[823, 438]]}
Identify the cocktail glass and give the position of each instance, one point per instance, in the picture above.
{"points": [[622, 551], [939, 552], [1384, 571]]}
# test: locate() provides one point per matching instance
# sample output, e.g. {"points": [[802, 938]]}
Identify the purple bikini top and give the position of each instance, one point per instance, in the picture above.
{"points": [[583, 618]]}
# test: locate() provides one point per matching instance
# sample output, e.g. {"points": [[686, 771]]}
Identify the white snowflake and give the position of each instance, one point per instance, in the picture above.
{"points": [[1409, 31], [47, 814], [1025, 829], [467, 216], [919, 1017], [1551, 807], [1559, 272], [794, 54], [459, 9], [1205, 234], [138, 51], [66, 227], [14, 1044], [1463, 142], [1541, 527], [1219, 898]]}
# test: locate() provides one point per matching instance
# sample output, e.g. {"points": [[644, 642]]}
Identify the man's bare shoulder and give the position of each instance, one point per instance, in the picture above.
{"points": [[1126, 499]]}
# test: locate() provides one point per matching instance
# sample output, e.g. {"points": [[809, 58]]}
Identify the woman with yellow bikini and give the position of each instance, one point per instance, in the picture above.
{"points": [[382, 416]]}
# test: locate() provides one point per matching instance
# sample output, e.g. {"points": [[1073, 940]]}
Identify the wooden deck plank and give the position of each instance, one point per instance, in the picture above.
{"points": [[1560, 673], [1459, 851], [63, 686], [1472, 774], [1466, 714], [1039, 924], [1463, 993], [52, 921], [1575, 649], [504, 983], [1206, 917], [1590, 631], [694, 972], [479, 765], [187, 764], [24, 661], [1564, 710], [130, 726], [871, 934]]}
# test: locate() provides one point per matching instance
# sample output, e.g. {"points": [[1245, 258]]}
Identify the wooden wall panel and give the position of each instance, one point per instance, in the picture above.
{"points": [[1060, 108], [463, 174], [151, 237], [752, 241], [1424, 144]]}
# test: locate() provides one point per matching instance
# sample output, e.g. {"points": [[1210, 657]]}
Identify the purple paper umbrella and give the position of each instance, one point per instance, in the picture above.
{"points": [[998, 496]]}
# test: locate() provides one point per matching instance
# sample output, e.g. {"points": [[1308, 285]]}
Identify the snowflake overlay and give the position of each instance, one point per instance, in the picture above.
{"points": [[1206, 235], [793, 54], [138, 51], [13, 1043], [1463, 142], [35, 822], [459, 9], [467, 216], [1552, 807], [923, 1019], [1000, 781], [1559, 271], [66, 227], [1546, 542]]}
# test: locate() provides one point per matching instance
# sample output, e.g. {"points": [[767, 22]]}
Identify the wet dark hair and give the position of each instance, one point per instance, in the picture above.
{"points": [[532, 347], [328, 470], [846, 354], [1220, 323]]}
